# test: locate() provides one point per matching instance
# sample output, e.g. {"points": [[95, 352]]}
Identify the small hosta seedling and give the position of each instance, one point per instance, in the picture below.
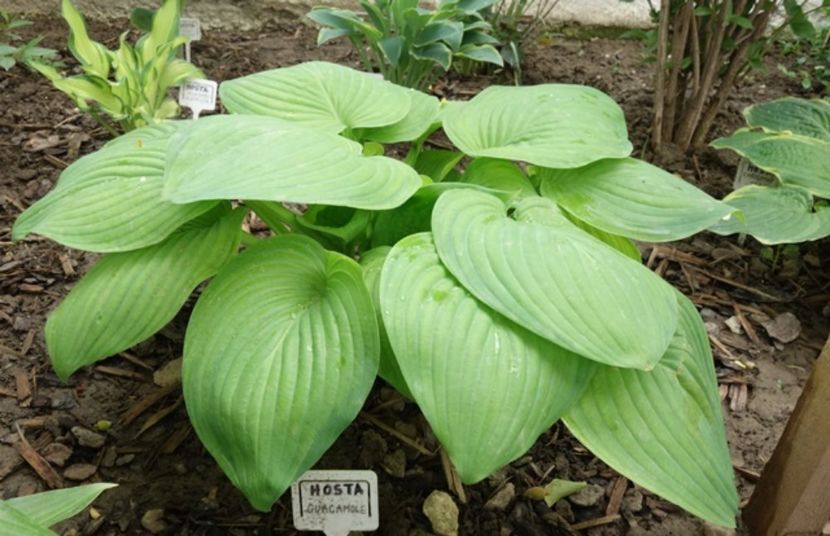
{"points": [[498, 296]]}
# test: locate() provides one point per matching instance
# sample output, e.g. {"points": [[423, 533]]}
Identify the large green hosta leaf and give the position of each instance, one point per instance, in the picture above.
{"points": [[50, 507], [322, 95], [796, 160], [498, 175], [126, 297], [551, 125], [776, 215], [472, 371], [372, 263], [423, 112], [263, 158], [280, 354], [110, 201], [552, 278], [632, 198], [809, 118], [664, 429]]}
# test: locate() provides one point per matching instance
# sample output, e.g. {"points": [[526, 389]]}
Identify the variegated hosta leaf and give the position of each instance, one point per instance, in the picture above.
{"points": [[14, 523], [796, 160], [632, 198], [126, 297], [472, 371], [280, 354], [552, 278], [423, 113], [809, 118], [322, 95], [110, 200], [776, 215], [50, 507], [268, 159], [551, 125], [664, 429], [372, 263]]}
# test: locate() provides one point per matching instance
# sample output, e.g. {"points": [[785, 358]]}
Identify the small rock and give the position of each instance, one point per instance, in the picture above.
{"points": [[153, 521], [712, 328], [56, 453], [709, 315], [734, 325], [588, 496], [407, 429], [502, 499], [395, 463], [442, 513], [62, 400], [373, 448], [88, 438], [169, 374], [110, 456], [633, 501], [79, 471], [784, 327], [124, 460]]}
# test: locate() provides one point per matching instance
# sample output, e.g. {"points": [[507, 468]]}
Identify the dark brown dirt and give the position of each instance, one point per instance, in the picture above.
{"points": [[157, 469]]}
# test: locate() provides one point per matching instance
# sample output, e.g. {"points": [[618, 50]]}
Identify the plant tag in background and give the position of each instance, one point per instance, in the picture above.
{"points": [[335, 502], [192, 29], [198, 95], [748, 174]]}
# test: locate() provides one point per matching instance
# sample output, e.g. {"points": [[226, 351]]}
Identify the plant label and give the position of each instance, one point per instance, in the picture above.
{"points": [[747, 174], [335, 502], [198, 95], [190, 28]]}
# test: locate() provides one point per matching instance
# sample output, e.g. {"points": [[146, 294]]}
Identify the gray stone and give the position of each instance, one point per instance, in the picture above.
{"points": [[588, 496], [442, 513], [79, 471], [502, 499], [88, 438], [784, 327], [633, 501]]}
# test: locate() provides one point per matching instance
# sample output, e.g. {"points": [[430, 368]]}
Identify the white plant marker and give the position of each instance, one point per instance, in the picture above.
{"points": [[198, 95], [192, 29], [335, 502]]}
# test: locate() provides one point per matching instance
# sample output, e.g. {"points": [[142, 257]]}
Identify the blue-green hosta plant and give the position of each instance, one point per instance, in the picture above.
{"points": [[409, 44], [790, 139], [129, 84], [499, 301], [32, 515]]}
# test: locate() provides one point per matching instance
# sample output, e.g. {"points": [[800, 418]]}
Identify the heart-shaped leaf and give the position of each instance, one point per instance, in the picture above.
{"points": [[372, 263], [423, 112], [776, 215], [322, 95], [805, 117], [632, 198], [551, 125], [50, 507], [552, 278], [106, 192], [263, 158], [498, 175], [795, 159], [280, 354], [471, 370], [664, 429], [126, 297]]}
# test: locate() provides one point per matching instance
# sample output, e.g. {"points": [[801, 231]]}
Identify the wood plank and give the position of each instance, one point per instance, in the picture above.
{"points": [[793, 495]]}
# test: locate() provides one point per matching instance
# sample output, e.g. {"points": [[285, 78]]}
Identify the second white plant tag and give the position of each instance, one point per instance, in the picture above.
{"points": [[198, 95], [335, 502]]}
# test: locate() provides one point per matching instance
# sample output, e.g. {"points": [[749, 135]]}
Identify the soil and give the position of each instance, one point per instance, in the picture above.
{"points": [[155, 457]]}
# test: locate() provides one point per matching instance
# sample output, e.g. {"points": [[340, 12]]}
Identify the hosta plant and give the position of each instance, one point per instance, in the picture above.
{"points": [[32, 515], [790, 139], [499, 301], [129, 84], [409, 44]]}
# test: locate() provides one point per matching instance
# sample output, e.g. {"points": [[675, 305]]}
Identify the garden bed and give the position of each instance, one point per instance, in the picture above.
{"points": [[159, 463]]}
